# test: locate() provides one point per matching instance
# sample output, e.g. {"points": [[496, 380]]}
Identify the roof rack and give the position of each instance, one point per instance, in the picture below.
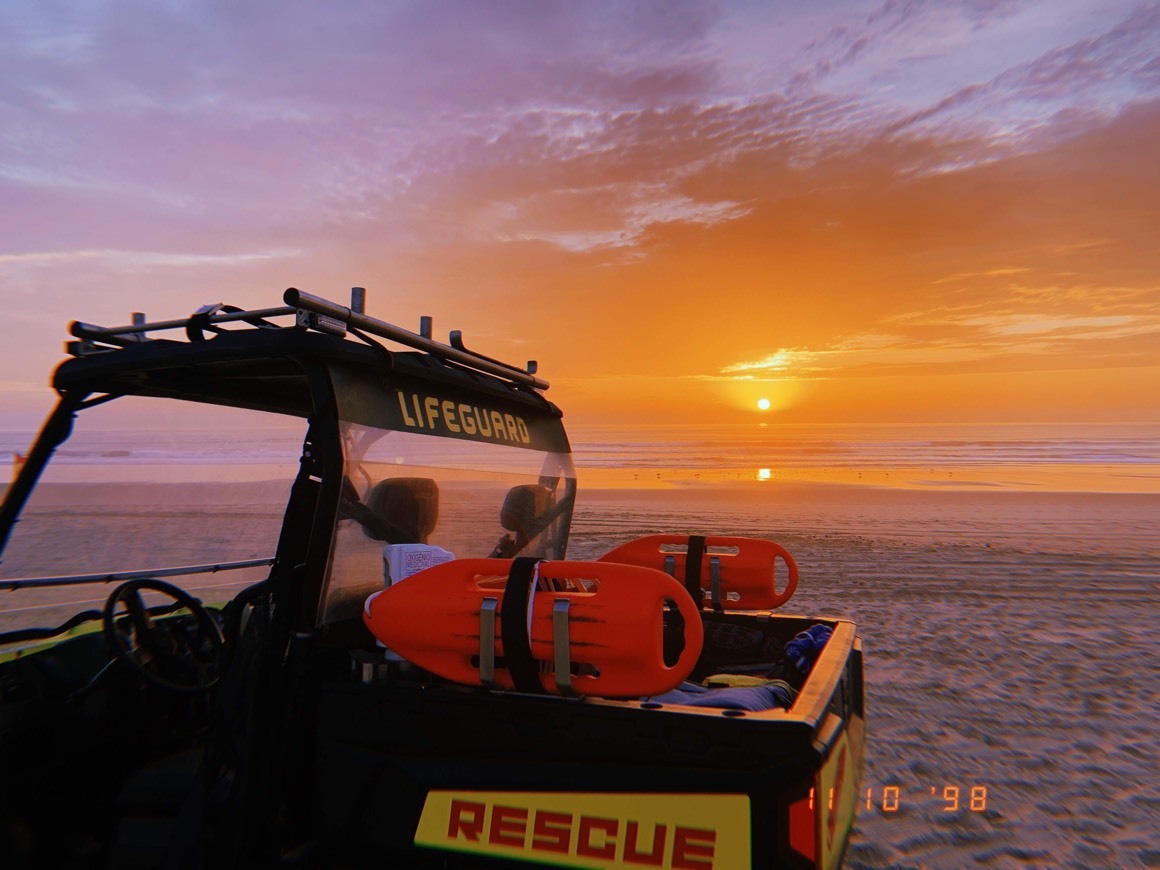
{"points": [[310, 312]]}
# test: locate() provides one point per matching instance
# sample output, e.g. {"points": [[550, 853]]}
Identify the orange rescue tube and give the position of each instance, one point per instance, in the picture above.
{"points": [[614, 624], [746, 568]]}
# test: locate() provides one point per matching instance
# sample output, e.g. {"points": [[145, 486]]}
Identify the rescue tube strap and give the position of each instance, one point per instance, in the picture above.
{"points": [[517, 647], [487, 613], [693, 556], [715, 582], [562, 646]]}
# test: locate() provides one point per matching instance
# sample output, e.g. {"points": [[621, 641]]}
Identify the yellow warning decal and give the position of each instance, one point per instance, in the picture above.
{"points": [[677, 831], [836, 800]]}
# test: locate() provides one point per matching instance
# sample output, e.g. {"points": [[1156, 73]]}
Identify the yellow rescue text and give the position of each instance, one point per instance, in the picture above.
{"points": [[669, 831]]}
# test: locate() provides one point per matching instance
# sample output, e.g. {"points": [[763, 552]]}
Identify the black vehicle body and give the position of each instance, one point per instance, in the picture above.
{"points": [[290, 740]]}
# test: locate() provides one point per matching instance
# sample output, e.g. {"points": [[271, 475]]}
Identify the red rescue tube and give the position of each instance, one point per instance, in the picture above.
{"points": [[615, 623], [747, 566]]}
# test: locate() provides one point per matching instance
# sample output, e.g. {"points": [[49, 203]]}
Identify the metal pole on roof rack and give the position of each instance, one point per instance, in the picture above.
{"points": [[80, 329], [308, 302]]}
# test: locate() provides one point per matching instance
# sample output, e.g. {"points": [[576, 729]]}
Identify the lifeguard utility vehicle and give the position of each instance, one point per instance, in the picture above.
{"points": [[413, 674]]}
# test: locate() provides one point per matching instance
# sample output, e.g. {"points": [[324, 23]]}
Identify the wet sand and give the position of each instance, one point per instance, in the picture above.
{"points": [[1010, 642]]}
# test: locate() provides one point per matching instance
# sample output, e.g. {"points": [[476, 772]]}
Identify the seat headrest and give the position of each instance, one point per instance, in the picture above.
{"points": [[525, 507], [408, 505]]}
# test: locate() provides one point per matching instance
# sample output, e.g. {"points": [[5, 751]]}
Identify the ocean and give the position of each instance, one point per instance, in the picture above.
{"points": [[1047, 457], [1121, 457]]}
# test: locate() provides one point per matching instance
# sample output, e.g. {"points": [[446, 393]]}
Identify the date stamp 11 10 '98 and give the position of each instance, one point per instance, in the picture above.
{"points": [[947, 798]]}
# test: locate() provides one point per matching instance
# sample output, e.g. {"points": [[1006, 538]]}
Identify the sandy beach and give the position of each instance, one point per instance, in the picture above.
{"points": [[1010, 641], [1010, 646]]}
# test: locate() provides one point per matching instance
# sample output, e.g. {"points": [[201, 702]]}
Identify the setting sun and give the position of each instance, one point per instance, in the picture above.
{"points": [[763, 404]]}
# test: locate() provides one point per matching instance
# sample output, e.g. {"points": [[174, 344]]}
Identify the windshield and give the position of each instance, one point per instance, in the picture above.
{"points": [[459, 498], [150, 484]]}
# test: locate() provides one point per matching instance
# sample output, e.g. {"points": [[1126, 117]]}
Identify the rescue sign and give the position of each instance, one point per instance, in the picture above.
{"points": [[597, 830]]}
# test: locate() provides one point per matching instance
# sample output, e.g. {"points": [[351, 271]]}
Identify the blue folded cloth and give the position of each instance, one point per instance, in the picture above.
{"points": [[753, 699], [804, 649]]}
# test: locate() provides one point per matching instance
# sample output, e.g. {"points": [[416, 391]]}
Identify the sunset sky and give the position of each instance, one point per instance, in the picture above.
{"points": [[893, 212]]}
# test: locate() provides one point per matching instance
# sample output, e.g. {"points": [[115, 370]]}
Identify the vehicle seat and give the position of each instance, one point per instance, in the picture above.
{"points": [[149, 807], [408, 505], [525, 511]]}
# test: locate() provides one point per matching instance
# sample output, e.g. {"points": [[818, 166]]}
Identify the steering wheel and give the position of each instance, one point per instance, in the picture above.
{"points": [[171, 653]]}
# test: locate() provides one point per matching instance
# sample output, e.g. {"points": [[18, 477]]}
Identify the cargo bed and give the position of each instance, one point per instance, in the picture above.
{"points": [[450, 774]]}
